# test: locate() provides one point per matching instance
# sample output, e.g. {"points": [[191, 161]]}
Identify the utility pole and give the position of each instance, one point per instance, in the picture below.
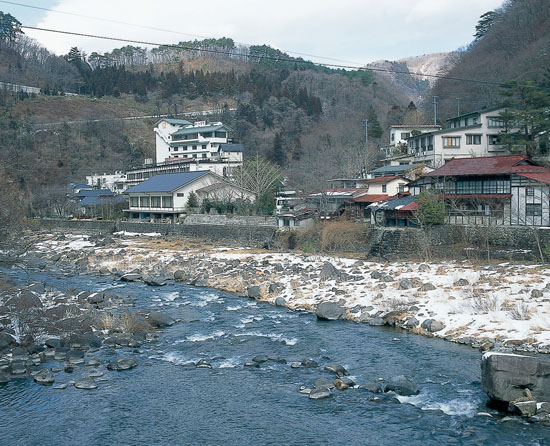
{"points": [[367, 146], [458, 106], [435, 110]]}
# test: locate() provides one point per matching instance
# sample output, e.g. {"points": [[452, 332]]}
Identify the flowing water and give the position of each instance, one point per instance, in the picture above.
{"points": [[168, 401]]}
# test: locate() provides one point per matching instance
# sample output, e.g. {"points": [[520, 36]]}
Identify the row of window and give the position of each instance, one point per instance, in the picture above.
{"points": [[475, 187], [164, 201], [190, 136], [493, 210], [195, 147], [465, 122], [454, 141]]}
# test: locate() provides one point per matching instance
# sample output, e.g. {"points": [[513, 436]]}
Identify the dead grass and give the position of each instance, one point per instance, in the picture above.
{"points": [[342, 236], [521, 312], [485, 303]]}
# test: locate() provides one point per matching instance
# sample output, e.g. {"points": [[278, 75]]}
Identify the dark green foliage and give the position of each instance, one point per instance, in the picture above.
{"points": [[10, 27], [431, 208], [484, 24], [278, 154], [192, 200], [375, 129]]}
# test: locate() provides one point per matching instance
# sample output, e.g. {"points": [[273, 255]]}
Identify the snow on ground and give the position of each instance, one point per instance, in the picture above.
{"points": [[504, 302]]}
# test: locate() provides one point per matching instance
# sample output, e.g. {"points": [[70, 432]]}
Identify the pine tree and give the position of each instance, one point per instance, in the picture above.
{"points": [[375, 129], [484, 24]]}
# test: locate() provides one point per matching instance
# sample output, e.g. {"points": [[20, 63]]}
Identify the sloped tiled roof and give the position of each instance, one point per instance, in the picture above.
{"points": [[206, 128], [95, 193], [232, 147], [489, 165], [175, 121], [167, 182], [401, 204], [370, 198], [387, 179], [541, 177]]}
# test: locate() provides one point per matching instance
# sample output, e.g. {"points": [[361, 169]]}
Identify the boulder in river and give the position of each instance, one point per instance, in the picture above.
{"points": [[44, 377], [319, 393], [337, 368], [131, 277], [158, 319], [154, 281], [26, 299], [86, 384], [432, 325], [122, 364], [253, 292], [330, 311], [505, 377], [402, 386], [280, 302]]}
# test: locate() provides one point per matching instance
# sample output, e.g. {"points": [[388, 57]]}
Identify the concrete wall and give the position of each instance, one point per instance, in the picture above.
{"points": [[204, 219]]}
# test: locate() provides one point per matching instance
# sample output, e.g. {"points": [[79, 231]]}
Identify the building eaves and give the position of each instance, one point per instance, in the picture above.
{"points": [[167, 182]]}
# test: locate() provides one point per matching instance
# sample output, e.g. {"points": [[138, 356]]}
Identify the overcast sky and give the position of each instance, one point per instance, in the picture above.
{"points": [[358, 31]]}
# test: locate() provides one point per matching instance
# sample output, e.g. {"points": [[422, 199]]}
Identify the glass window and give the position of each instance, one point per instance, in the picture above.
{"points": [[220, 134], [155, 202], [493, 121], [144, 202], [207, 135], [167, 202], [384, 188], [405, 135], [533, 209], [529, 191], [493, 139], [134, 201], [451, 141], [180, 194], [473, 139]]}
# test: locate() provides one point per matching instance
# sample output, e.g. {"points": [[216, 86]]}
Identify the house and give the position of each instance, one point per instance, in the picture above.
{"points": [[166, 196], [493, 190], [469, 135], [182, 146], [114, 182], [409, 171], [397, 212], [296, 218], [399, 133]]}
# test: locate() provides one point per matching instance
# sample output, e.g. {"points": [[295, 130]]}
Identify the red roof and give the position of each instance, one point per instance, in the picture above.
{"points": [[542, 177], [410, 207], [370, 198], [382, 179], [488, 165]]}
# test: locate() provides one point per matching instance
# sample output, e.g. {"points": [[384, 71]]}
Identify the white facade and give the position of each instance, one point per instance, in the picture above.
{"points": [[179, 139], [114, 182], [470, 136]]}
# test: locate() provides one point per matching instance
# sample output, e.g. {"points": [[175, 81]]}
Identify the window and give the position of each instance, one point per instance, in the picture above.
{"points": [[167, 202], [392, 137], [533, 209], [384, 188], [474, 120], [430, 142], [155, 202], [496, 187], [207, 135], [194, 147], [493, 121], [469, 187], [493, 139], [473, 139], [144, 202], [180, 194], [466, 121], [204, 147], [529, 191], [134, 202], [405, 135], [451, 141], [220, 134], [204, 155], [401, 188]]}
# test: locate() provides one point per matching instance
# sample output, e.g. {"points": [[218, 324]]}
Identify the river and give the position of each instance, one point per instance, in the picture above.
{"points": [[167, 400]]}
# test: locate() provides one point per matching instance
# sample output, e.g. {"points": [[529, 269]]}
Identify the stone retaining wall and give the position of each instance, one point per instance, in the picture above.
{"points": [[239, 220]]}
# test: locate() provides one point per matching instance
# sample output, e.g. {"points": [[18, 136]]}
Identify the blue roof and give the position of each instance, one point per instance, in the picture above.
{"points": [[80, 186], [400, 168], [232, 147], [97, 201], [167, 182], [400, 202], [202, 129], [175, 121]]}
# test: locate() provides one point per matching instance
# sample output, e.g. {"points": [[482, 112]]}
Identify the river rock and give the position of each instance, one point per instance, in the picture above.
{"points": [[130, 277], [6, 340], [329, 272], [321, 383], [201, 363], [260, 358], [340, 385], [154, 281], [337, 368], [405, 284], [523, 408], [330, 311], [371, 387], [309, 364], [504, 377], [158, 319], [410, 322], [4, 379], [402, 386], [432, 325], [86, 384], [280, 302], [26, 299], [95, 298], [44, 377], [376, 321], [319, 393], [85, 341], [253, 292], [122, 364]]}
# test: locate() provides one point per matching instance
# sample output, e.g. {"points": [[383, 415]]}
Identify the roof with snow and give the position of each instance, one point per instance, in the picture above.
{"points": [[401, 204], [167, 182], [94, 193]]}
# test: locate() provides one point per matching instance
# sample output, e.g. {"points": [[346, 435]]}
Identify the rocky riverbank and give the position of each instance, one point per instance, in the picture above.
{"points": [[496, 306]]}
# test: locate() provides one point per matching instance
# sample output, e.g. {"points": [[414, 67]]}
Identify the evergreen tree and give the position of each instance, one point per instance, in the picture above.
{"points": [[484, 24], [278, 155], [192, 201], [10, 28], [375, 129]]}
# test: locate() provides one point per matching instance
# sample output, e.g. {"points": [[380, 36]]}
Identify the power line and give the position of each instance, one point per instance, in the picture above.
{"points": [[118, 22], [274, 58]]}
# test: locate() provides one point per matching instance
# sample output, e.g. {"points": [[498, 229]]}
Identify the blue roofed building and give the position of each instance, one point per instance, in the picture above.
{"points": [[166, 196]]}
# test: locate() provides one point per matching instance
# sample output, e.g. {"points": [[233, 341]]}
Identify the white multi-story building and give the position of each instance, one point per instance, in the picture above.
{"points": [[470, 135], [399, 133], [182, 146], [115, 182]]}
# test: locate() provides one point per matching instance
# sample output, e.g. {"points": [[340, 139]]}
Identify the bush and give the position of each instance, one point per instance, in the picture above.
{"points": [[431, 208], [341, 236]]}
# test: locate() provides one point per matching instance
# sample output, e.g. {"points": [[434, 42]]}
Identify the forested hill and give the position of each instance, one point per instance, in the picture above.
{"points": [[511, 44]]}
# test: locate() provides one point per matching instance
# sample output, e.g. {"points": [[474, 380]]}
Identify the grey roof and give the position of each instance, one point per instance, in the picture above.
{"points": [[400, 168], [447, 130], [475, 112], [232, 147], [97, 201], [168, 182], [95, 193], [394, 204], [175, 121], [206, 128]]}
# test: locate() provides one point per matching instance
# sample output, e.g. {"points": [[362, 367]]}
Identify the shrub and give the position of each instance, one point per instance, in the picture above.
{"points": [[521, 312], [341, 236], [431, 208]]}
